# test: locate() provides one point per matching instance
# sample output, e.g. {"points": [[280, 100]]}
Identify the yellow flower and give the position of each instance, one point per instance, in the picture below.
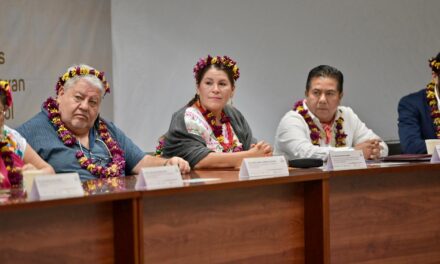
{"points": [[65, 76], [84, 71], [214, 60]]}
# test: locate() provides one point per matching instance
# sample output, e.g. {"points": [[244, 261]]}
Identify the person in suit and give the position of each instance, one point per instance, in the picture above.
{"points": [[419, 115], [318, 124]]}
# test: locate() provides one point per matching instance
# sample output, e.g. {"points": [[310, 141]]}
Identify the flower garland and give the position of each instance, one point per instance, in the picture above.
{"points": [[315, 134], [218, 130], [160, 146], [434, 64], [225, 60], [114, 168], [433, 104], [7, 146], [6, 89], [82, 70]]}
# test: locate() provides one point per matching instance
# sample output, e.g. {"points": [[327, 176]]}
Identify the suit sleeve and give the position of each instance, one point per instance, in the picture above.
{"points": [[410, 132]]}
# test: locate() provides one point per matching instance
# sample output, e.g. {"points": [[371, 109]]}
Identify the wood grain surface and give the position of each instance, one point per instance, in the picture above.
{"points": [[261, 224], [391, 216], [64, 234]]}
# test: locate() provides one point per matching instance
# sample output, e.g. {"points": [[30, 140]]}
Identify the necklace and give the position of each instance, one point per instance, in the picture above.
{"points": [[218, 129], [315, 134], [433, 104], [114, 168], [7, 146]]}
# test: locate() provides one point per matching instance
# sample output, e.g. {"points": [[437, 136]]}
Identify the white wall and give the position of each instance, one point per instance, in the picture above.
{"points": [[382, 47], [40, 39]]}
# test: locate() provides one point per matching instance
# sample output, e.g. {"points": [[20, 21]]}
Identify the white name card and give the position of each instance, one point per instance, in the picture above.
{"points": [[56, 186], [254, 168], [159, 177], [436, 155], [346, 160]]}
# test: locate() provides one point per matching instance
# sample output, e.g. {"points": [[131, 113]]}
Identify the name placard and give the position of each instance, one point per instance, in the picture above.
{"points": [[56, 186], [346, 160], [436, 154], [159, 177], [254, 168]]}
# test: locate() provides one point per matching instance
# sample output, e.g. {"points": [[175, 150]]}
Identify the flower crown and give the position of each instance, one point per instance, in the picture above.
{"points": [[6, 89], [82, 71], [435, 65], [217, 60]]}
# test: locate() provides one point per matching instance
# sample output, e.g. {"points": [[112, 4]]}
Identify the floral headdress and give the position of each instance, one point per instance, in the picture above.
{"points": [[217, 60], [82, 70], [6, 89], [435, 65]]}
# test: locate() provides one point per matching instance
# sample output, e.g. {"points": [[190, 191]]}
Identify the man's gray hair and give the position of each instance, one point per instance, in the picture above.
{"points": [[90, 78]]}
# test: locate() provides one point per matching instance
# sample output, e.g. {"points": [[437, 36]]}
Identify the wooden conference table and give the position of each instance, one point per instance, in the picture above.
{"points": [[375, 215]]}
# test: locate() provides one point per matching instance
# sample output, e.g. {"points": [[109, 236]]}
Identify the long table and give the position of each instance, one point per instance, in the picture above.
{"points": [[222, 220], [385, 215], [375, 215]]}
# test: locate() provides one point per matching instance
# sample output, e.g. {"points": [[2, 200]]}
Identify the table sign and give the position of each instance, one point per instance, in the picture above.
{"points": [[436, 155], [346, 160], [254, 168], [28, 179], [159, 178], [55, 186]]}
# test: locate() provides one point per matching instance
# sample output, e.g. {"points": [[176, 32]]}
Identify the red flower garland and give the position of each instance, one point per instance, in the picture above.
{"points": [[114, 168], [218, 130], [14, 176], [433, 104], [315, 134]]}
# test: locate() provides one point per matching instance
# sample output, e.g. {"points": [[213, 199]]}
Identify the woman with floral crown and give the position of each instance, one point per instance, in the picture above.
{"points": [[208, 132], [419, 114], [70, 135], [318, 124], [16, 154]]}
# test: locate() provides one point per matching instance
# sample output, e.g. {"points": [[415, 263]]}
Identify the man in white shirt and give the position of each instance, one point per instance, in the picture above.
{"points": [[319, 124]]}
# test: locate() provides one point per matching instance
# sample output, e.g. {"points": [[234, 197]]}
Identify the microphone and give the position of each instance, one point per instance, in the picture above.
{"points": [[306, 163]]}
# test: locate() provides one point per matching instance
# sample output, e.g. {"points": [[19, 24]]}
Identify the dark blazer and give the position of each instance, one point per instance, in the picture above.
{"points": [[415, 122]]}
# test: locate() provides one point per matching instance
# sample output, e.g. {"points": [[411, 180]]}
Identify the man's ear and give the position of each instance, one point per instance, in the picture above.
{"points": [[61, 91]]}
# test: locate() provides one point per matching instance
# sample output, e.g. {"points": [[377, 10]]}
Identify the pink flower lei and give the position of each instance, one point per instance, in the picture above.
{"points": [[15, 177], [114, 168], [6, 89], [219, 60], [433, 104], [315, 134], [218, 130]]}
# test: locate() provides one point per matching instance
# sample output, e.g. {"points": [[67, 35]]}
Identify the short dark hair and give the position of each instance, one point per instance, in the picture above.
{"points": [[437, 58], [326, 71]]}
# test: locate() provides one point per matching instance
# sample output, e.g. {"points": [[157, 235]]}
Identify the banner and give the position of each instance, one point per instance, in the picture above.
{"points": [[40, 39]]}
